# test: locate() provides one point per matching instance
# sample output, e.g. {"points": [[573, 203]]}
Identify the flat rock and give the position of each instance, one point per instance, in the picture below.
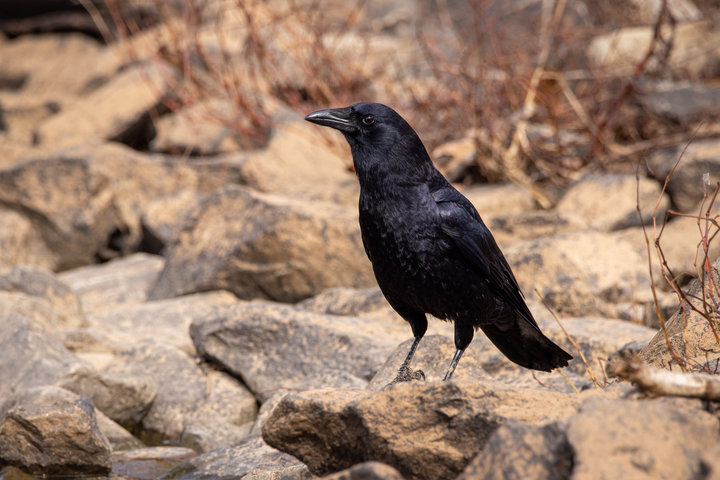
{"points": [[423, 430], [37, 293], [273, 346], [644, 439], [51, 430], [164, 320], [120, 282], [261, 246], [609, 202]]}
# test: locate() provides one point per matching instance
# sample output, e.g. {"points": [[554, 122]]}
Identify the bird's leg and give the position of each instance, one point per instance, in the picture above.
{"points": [[453, 364], [463, 336], [405, 374]]}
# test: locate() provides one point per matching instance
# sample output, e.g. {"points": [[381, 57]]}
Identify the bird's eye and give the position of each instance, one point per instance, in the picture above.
{"points": [[368, 120]]}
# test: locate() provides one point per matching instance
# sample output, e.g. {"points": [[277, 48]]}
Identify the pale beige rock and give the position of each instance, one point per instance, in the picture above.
{"points": [[582, 274], [166, 321], [366, 471], [623, 49], [121, 282], [110, 111], [37, 293], [149, 462], [609, 201], [494, 199], [644, 439], [298, 162]]}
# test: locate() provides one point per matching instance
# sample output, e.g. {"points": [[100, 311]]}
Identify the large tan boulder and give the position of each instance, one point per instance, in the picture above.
{"points": [[425, 430]]}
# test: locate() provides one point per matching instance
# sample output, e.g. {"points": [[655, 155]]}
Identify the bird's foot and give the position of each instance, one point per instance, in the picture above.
{"points": [[406, 374]]}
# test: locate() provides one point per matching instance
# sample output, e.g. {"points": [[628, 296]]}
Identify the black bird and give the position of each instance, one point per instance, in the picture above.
{"points": [[429, 248]]}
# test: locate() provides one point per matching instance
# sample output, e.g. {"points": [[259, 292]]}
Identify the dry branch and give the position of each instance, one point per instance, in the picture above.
{"points": [[657, 381]]}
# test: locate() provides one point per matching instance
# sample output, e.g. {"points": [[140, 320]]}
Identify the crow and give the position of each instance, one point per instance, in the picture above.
{"points": [[430, 251]]}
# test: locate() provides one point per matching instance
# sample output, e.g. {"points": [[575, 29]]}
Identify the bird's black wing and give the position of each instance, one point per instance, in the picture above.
{"points": [[461, 222]]}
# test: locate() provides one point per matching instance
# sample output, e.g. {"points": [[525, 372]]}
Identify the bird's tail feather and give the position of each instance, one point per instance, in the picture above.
{"points": [[525, 345]]}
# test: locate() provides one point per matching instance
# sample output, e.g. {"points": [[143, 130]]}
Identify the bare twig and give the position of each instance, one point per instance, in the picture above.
{"points": [[657, 381]]}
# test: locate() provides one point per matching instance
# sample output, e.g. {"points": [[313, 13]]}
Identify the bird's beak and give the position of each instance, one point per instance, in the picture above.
{"points": [[338, 118]]}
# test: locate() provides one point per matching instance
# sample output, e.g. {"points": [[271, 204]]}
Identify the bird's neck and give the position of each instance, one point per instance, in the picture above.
{"points": [[393, 166]]}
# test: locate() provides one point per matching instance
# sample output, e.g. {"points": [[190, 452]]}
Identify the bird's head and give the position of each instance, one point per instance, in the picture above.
{"points": [[368, 124], [380, 139]]}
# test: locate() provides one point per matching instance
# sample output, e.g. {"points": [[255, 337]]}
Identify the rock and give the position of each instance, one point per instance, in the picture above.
{"points": [[163, 320], [54, 68], [692, 337], [424, 430], [121, 282], [33, 357], [687, 184], [582, 274], [683, 103], [518, 451], [297, 163], [87, 202], [51, 430], [68, 202], [367, 471], [184, 393], [596, 337], [118, 110], [640, 439], [531, 225], [126, 399], [208, 127], [481, 362], [494, 199], [148, 463], [609, 202], [688, 57], [454, 157], [367, 302], [261, 246], [268, 346], [642, 12], [116, 435], [163, 218], [37, 293], [21, 242], [711, 462], [249, 459]]}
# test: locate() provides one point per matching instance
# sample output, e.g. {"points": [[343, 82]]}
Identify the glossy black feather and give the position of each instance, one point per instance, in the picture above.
{"points": [[429, 248]]}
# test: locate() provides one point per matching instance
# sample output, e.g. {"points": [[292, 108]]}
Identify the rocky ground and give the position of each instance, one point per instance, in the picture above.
{"points": [[166, 315]]}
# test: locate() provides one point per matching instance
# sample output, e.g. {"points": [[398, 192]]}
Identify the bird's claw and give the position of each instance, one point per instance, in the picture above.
{"points": [[406, 374]]}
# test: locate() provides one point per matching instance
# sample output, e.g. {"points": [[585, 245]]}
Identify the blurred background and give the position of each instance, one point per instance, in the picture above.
{"points": [[535, 92]]}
